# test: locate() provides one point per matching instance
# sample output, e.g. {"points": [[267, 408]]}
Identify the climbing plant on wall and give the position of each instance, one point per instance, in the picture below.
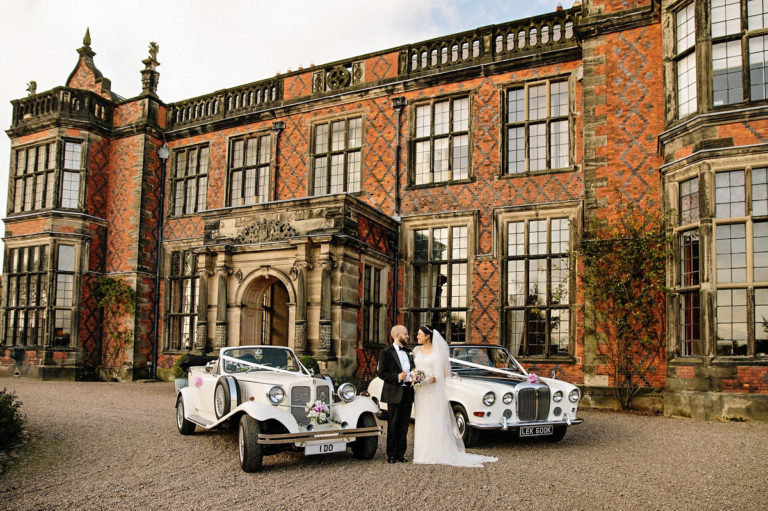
{"points": [[623, 276], [118, 303]]}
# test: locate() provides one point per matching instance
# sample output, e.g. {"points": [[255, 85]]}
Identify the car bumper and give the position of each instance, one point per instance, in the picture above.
{"points": [[324, 435], [514, 425]]}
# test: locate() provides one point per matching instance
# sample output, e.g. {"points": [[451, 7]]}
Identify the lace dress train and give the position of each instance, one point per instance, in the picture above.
{"points": [[436, 438]]}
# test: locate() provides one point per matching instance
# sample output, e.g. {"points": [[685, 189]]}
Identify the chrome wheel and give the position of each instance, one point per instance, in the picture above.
{"points": [[180, 414], [241, 442], [460, 422], [220, 400]]}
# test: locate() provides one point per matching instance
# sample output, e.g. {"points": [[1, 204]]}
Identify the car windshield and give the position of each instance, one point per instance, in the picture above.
{"points": [[490, 356], [259, 358]]}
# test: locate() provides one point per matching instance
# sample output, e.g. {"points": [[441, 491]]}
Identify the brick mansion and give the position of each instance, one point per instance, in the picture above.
{"points": [[444, 182]]}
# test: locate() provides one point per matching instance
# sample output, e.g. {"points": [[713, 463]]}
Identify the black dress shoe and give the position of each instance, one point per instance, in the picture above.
{"points": [[402, 459], [391, 459]]}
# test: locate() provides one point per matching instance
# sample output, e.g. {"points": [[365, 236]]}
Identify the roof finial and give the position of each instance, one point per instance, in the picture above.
{"points": [[87, 38]]}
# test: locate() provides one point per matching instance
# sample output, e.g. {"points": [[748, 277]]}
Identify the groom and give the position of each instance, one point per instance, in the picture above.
{"points": [[394, 369]]}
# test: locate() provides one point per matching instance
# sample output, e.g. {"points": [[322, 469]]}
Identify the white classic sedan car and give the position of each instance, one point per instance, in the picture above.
{"points": [[489, 390], [277, 404]]}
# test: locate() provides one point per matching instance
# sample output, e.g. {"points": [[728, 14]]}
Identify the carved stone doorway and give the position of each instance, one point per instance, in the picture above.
{"points": [[264, 317]]}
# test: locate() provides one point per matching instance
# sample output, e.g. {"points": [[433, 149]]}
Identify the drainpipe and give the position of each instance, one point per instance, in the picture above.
{"points": [[163, 152], [398, 104], [277, 127]]}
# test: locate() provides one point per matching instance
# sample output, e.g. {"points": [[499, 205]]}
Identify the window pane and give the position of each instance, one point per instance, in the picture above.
{"points": [[516, 150], [421, 245], [66, 258], [72, 156], [321, 175], [422, 121], [690, 324], [441, 118], [516, 239], [689, 201], [355, 133], [685, 29], [760, 192], [461, 157], [440, 244], [732, 322], [558, 145], [337, 136], [761, 321], [731, 253], [264, 149], [461, 114], [726, 17], [422, 163], [440, 163], [758, 67], [337, 173], [236, 189], [251, 151], [757, 12], [560, 234], [537, 145], [321, 139], [191, 196], [686, 85], [689, 258], [262, 192], [559, 99], [537, 237], [537, 102], [516, 105], [729, 194], [760, 245], [516, 283], [726, 68]]}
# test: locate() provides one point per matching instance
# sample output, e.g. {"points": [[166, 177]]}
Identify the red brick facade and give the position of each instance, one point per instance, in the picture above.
{"points": [[612, 60]]}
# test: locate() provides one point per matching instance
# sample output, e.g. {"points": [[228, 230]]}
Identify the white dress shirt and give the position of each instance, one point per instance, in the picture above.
{"points": [[404, 362]]}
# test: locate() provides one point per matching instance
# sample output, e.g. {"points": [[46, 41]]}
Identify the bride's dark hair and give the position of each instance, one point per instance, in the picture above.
{"points": [[427, 331]]}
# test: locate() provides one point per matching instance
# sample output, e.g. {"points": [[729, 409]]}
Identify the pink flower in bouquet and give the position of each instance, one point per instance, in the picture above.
{"points": [[319, 406], [533, 378]]}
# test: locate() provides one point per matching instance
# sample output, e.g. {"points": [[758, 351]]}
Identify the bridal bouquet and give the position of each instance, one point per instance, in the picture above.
{"points": [[318, 412], [418, 378]]}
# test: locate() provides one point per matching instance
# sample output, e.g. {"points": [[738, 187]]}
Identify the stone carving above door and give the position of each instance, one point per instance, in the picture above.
{"points": [[259, 231]]}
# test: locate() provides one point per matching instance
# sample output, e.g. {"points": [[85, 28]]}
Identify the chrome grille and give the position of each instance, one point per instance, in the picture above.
{"points": [[532, 402], [324, 393], [300, 396]]}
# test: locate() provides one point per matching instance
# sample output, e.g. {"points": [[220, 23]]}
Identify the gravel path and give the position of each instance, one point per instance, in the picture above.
{"points": [[115, 446]]}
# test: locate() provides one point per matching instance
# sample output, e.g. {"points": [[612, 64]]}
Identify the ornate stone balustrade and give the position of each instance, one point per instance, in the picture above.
{"points": [[62, 103], [227, 103], [496, 42]]}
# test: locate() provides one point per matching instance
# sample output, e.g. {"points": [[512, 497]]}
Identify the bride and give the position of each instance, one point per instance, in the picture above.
{"points": [[436, 438]]}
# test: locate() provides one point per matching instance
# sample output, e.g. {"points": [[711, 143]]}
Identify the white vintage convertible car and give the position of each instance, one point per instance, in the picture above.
{"points": [[489, 390], [265, 391]]}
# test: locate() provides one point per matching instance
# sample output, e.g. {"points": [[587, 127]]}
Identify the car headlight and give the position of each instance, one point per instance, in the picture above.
{"points": [[346, 392], [573, 396], [507, 398], [489, 398], [557, 396], [276, 395]]}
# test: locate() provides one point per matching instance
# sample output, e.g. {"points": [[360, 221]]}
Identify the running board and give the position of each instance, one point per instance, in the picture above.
{"points": [[200, 421]]}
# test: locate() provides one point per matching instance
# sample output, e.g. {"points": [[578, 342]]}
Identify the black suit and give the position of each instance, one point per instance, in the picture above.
{"points": [[399, 398]]}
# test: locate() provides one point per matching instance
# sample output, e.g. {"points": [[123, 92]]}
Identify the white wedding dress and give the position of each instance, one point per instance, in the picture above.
{"points": [[436, 439]]}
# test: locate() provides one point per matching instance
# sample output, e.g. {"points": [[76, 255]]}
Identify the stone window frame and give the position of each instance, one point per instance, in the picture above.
{"points": [[506, 124], [431, 222], [685, 58], [738, 48], [50, 179], [198, 180], [503, 219], [374, 306], [709, 285], [40, 279], [257, 167], [176, 312], [50, 286], [413, 140], [345, 152]]}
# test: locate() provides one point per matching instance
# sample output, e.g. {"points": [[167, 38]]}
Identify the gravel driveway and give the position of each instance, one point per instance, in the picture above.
{"points": [[115, 446]]}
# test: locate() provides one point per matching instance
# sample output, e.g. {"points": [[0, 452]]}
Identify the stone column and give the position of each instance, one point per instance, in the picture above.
{"points": [[299, 275], [221, 307], [325, 351], [201, 339]]}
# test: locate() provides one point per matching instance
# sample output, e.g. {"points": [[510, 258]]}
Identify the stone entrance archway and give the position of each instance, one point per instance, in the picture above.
{"points": [[266, 311]]}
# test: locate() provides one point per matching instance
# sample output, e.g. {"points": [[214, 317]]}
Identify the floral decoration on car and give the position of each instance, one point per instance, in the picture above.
{"points": [[318, 412], [533, 378]]}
